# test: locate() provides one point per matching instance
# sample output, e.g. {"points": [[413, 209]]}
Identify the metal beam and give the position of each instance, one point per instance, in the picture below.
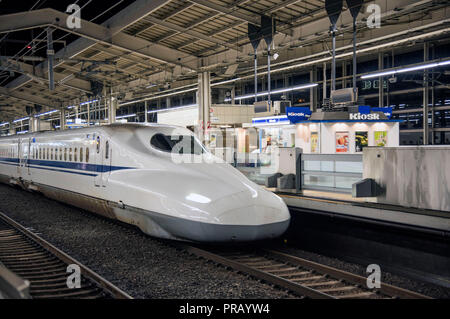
{"points": [[97, 33], [27, 97], [200, 20], [37, 72], [193, 33], [137, 10], [228, 11]]}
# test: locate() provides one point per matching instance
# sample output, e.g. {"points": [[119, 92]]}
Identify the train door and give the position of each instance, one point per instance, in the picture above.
{"points": [[107, 161], [30, 151], [103, 160], [98, 161], [19, 157]]}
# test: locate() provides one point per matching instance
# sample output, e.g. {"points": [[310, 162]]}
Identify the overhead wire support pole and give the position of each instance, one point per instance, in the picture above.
{"points": [[354, 55], [333, 63], [268, 76], [256, 75], [50, 55], [355, 7]]}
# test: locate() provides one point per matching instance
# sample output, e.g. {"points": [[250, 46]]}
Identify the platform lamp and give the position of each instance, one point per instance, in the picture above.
{"points": [[354, 7], [334, 9]]}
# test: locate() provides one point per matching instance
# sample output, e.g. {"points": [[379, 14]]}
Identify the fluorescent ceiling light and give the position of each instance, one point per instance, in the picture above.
{"points": [[124, 116], [88, 102], [173, 108], [22, 119], [404, 70], [46, 113], [290, 89], [226, 81]]}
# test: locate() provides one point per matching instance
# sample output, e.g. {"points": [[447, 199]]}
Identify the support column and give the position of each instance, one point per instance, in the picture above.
{"points": [[380, 80], [112, 108], [89, 114], [62, 119], [324, 81], [145, 111], [50, 55], [344, 74], [433, 97], [313, 90], [426, 92], [233, 95], [204, 102]]}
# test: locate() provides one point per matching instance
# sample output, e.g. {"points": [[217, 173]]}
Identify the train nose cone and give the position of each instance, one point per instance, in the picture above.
{"points": [[247, 216], [256, 222]]}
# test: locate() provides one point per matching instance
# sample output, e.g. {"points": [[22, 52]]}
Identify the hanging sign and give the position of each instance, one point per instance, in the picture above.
{"points": [[298, 114]]}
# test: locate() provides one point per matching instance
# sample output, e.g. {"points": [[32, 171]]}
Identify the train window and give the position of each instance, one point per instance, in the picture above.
{"points": [[107, 150], [60, 154], [48, 153], [181, 144], [98, 144], [70, 154], [56, 154], [75, 155], [51, 154], [65, 154], [87, 154], [81, 154]]}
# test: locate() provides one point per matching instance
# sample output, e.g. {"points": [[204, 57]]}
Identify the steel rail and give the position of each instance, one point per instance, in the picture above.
{"points": [[49, 257], [386, 289], [300, 276]]}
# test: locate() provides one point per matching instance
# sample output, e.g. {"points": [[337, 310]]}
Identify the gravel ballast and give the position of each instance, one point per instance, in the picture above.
{"points": [[148, 268], [138, 264]]}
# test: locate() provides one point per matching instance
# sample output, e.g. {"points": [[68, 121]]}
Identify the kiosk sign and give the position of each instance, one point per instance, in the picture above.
{"points": [[298, 114], [359, 116]]}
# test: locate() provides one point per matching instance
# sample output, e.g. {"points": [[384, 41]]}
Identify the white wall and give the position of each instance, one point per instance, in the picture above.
{"points": [[181, 117]]}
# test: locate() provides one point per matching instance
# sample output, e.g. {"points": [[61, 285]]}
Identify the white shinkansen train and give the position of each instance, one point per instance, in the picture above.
{"points": [[130, 172]]}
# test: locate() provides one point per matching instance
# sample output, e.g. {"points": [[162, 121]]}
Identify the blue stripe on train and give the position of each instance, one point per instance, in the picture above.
{"points": [[40, 164]]}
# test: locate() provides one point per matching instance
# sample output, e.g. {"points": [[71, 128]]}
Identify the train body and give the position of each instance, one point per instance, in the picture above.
{"points": [[135, 174]]}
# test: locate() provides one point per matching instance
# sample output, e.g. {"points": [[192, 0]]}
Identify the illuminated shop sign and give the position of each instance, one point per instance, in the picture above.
{"points": [[359, 116], [274, 120], [298, 114], [386, 110], [365, 113]]}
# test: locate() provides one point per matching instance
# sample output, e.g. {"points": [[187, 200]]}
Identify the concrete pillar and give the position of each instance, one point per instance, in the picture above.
{"points": [[380, 80], [426, 129], [313, 90], [145, 111], [233, 95], [112, 108], [62, 119], [88, 109], [34, 124], [204, 101]]}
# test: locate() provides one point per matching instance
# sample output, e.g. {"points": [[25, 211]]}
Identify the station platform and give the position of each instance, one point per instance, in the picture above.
{"points": [[345, 205]]}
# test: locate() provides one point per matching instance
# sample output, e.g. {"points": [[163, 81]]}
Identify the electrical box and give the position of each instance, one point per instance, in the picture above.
{"points": [[279, 107], [344, 96], [262, 107]]}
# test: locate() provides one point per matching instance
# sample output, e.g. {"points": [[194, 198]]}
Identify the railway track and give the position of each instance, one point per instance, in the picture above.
{"points": [[45, 267], [300, 276]]}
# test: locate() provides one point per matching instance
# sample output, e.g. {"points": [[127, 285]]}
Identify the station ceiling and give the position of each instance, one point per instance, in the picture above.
{"points": [[138, 48]]}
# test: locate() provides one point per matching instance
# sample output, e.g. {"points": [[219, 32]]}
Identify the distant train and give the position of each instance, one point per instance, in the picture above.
{"points": [[132, 172]]}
